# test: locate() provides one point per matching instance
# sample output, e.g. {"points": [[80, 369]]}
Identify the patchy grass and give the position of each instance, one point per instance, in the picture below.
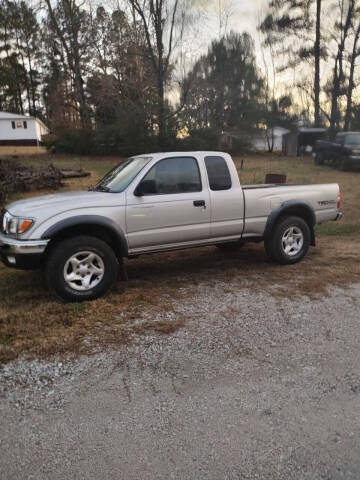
{"points": [[18, 151], [337, 229], [33, 322]]}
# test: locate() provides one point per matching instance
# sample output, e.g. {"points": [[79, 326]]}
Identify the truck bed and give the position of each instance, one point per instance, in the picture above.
{"points": [[262, 199]]}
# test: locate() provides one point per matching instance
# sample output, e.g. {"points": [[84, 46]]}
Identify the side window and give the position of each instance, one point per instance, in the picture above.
{"points": [[218, 173], [25, 123], [175, 175], [13, 125]]}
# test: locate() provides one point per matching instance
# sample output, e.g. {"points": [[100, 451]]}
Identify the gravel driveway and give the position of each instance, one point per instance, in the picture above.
{"points": [[251, 387]]}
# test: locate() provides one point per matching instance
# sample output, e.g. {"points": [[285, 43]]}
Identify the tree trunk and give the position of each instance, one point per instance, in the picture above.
{"points": [[338, 70], [334, 101], [32, 83], [351, 85], [162, 121], [317, 52]]}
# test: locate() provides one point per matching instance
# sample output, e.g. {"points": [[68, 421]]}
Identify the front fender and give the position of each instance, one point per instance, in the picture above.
{"points": [[89, 222]]}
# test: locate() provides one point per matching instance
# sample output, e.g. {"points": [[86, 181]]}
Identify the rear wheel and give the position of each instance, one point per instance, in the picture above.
{"points": [[289, 241], [81, 268]]}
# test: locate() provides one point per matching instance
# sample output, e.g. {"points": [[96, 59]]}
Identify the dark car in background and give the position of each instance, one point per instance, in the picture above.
{"points": [[344, 152]]}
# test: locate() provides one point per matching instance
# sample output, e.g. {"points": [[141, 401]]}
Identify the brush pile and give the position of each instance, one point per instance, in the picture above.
{"points": [[16, 178]]}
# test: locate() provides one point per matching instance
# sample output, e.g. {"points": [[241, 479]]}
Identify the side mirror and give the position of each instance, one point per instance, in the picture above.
{"points": [[146, 187]]}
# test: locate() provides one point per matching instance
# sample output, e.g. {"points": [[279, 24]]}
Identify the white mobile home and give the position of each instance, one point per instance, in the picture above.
{"points": [[21, 129], [259, 142]]}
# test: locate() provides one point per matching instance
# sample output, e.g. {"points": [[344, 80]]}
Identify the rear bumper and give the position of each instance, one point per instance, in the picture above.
{"points": [[23, 254], [338, 216]]}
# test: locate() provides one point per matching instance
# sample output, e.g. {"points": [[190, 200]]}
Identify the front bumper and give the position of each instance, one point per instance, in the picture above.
{"points": [[23, 254]]}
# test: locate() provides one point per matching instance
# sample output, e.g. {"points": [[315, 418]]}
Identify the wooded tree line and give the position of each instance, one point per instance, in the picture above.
{"points": [[108, 77], [319, 41]]}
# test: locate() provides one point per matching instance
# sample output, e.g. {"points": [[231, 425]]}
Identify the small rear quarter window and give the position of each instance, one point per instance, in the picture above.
{"points": [[218, 173]]}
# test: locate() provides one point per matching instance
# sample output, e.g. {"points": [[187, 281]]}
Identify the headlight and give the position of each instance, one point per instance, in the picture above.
{"points": [[15, 225]]}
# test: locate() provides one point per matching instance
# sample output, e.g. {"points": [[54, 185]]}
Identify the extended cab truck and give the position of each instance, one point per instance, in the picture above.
{"points": [[153, 203], [343, 153]]}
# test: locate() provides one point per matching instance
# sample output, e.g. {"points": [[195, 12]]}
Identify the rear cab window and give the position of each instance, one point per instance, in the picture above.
{"points": [[218, 173]]}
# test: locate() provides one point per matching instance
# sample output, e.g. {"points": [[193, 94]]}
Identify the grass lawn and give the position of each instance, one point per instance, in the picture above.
{"points": [[33, 322]]}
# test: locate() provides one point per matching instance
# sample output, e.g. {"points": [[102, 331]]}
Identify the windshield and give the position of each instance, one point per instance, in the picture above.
{"points": [[121, 176], [353, 139]]}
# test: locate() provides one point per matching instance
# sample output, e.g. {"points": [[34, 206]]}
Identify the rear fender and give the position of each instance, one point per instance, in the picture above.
{"points": [[292, 207]]}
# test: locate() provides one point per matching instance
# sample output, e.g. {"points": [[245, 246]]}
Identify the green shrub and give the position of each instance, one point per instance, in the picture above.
{"points": [[122, 138], [71, 140], [240, 145], [200, 139], [126, 137]]}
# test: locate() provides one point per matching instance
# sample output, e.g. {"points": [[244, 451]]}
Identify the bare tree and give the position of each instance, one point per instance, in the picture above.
{"points": [[224, 10], [347, 8], [351, 84], [163, 22]]}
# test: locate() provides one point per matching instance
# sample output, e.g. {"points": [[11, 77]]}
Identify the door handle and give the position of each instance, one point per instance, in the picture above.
{"points": [[199, 203]]}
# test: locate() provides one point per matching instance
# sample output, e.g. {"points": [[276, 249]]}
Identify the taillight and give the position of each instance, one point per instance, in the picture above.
{"points": [[339, 201]]}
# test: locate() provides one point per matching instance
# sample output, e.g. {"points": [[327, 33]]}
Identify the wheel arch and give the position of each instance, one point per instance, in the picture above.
{"points": [[90, 225], [292, 207]]}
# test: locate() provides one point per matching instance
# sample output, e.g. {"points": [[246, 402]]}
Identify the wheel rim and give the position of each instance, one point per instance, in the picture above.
{"points": [[84, 270], [292, 241]]}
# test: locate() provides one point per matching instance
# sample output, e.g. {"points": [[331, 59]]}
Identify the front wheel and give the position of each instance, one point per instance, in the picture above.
{"points": [[81, 268], [289, 241]]}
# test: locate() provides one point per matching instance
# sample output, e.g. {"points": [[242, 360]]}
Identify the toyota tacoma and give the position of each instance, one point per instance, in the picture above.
{"points": [[154, 203]]}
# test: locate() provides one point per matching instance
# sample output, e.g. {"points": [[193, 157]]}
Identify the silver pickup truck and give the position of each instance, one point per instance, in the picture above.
{"points": [[153, 203]]}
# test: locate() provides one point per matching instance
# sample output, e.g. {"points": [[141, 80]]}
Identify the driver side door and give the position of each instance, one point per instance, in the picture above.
{"points": [[175, 212]]}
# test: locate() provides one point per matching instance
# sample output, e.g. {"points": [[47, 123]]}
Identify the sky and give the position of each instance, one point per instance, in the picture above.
{"points": [[245, 15]]}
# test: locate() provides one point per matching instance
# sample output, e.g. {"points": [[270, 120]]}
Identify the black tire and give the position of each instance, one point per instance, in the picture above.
{"points": [[275, 246], [59, 258], [319, 159], [230, 246]]}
